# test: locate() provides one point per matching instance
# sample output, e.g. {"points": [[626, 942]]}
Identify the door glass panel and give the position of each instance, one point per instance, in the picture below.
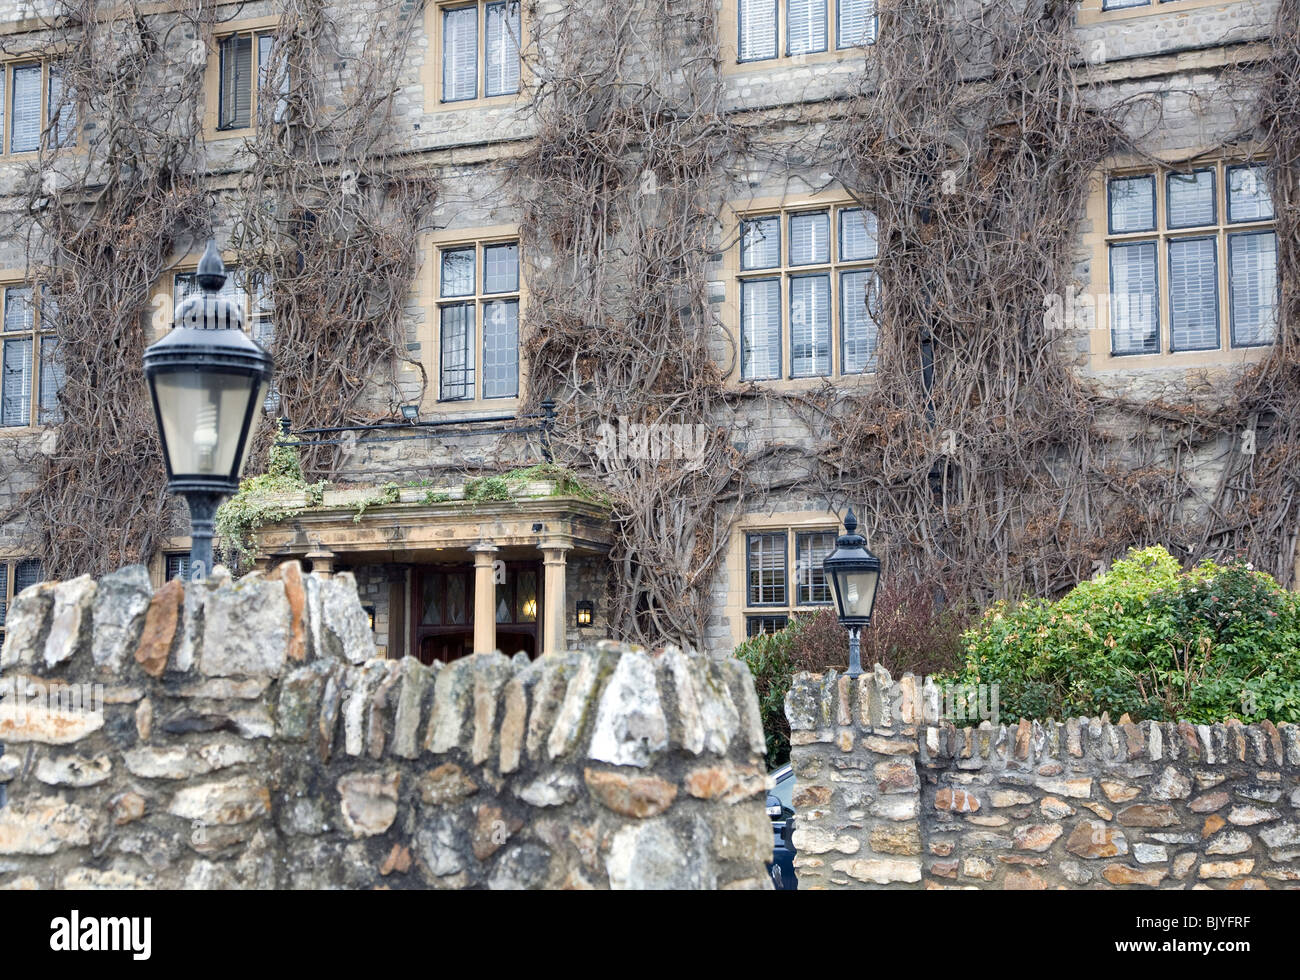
{"points": [[433, 592], [457, 608], [526, 597]]}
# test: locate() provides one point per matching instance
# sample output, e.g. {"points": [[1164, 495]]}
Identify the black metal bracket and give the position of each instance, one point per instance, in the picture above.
{"points": [[542, 422]]}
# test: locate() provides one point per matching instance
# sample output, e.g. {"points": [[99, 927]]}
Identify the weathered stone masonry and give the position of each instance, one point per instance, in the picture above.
{"points": [[891, 796], [248, 737]]}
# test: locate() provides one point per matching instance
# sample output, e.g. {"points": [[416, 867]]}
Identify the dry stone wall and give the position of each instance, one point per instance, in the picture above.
{"points": [[242, 734], [889, 795]]}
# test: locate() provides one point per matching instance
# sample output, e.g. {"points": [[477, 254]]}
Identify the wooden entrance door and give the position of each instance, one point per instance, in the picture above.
{"points": [[443, 621]]}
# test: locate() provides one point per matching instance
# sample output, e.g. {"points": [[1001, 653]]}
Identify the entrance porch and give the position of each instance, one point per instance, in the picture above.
{"points": [[444, 576]]}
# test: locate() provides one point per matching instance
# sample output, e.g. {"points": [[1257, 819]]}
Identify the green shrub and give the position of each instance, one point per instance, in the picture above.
{"points": [[1147, 639], [770, 658]]}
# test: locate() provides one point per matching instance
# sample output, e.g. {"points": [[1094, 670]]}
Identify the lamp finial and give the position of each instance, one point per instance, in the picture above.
{"points": [[211, 274]]}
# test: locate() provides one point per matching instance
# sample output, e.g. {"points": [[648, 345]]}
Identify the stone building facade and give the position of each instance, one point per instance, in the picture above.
{"points": [[1192, 259]]}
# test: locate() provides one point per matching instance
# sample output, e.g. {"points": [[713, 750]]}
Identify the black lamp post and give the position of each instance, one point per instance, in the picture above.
{"points": [[207, 379], [854, 573]]}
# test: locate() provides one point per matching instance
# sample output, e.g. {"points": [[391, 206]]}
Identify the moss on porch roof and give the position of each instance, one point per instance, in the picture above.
{"points": [[281, 494]]}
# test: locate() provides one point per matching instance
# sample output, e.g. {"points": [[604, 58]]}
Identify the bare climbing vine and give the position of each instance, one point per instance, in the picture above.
{"points": [[986, 464], [618, 198], [326, 217], [330, 210], [103, 216]]}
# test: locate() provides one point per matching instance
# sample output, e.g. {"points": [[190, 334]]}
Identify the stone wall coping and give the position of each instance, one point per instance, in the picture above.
{"points": [[819, 704]]}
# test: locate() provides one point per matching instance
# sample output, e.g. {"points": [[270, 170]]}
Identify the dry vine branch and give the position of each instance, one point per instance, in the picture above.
{"points": [[618, 198], [104, 221], [974, 141], [330, 215]]}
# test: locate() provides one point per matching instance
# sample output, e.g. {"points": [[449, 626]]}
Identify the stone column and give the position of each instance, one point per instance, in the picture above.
{"points": [[485, 597], [322, 562], [554, 624]]}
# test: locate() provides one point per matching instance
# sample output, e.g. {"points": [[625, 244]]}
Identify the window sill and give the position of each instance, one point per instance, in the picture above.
{"points": [[21, 431], [1091, 12], [1221, 357], [436, 105], [487, 406], [805, 384], [733, 66], [214, 135], [31, 156]]}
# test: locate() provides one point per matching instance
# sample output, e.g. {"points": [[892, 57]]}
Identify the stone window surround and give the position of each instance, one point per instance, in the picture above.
{"points": [[7, 63], [733, 214], [16, 279], [212, 76], [729, 40], [738, 610], [430, 352], [8, 590], [1095, 248], [431, 70]]}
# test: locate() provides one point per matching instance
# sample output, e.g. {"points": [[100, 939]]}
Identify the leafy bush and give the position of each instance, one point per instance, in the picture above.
{"points": [[909, 632], [770, 659], [1147, 639]]}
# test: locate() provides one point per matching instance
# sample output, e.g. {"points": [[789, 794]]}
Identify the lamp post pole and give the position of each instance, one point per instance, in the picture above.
{"points": [[203, 517], [855, 651]]}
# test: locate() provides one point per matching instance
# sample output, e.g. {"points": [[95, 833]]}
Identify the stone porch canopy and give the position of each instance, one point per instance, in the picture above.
{"points": [[423, 525]]}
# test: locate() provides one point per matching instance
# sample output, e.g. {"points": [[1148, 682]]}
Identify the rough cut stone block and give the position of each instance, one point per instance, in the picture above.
{"points": [[74, 771], [27, 626], [186, 762], [119, 606], [300, 699], [649, 854], [70, 620], [551, 683], [573, 709], [362, 684], [160, 623], [682, 673], [743, 714], [368, 802], [491, 673], [416, 681], [881, 871], [630, 723], [234, 801], [43, 826], [344, 632], [452, 694], [47, 712], [245, 629]]}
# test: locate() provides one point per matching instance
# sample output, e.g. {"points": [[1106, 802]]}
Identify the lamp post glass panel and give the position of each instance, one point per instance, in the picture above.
{"points": [[207, 379], [854, 573]]}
